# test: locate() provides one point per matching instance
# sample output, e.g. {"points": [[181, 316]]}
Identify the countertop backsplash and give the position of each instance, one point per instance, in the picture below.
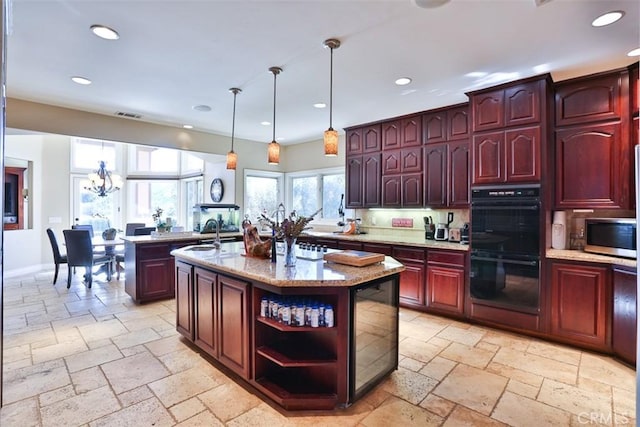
{"points": [[380, 221]]}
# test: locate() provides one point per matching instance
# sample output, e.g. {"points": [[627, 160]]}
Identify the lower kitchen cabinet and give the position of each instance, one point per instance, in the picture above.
{"points": [[149, 270], [579, 295], [213, 312], [623, 325], [184, 299], [412, 279], [445, 282]]}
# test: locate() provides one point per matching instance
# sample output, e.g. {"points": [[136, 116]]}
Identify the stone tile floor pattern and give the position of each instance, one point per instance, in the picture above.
{"points": [[91, 357]]}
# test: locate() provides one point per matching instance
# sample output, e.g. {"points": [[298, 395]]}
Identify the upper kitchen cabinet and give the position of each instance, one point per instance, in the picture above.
{"points": [[353, 138], [593, 153], [363, 181], [458, 122], [405, 132], [371, 139], [446, 124], [633, 88], [591, 99], [510, 131], [434, 127]]}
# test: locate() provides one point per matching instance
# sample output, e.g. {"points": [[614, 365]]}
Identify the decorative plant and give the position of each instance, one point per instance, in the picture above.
{"points": [[157, 218], [292, 226]]}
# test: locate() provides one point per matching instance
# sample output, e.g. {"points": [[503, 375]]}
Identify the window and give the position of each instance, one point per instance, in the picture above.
{"points": [[86, 155], [262, 193], [312, 190], [194, 194], [144, 196], [154, 161]]}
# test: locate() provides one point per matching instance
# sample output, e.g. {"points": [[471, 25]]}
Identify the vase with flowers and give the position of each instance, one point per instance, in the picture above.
{"points": [[289, 230], [162, 225]]}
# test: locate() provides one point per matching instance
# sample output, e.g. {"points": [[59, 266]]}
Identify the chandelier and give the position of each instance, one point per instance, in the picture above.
{"points": [[103, 182]]}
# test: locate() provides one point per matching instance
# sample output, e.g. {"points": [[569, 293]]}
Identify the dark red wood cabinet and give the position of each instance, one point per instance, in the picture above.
{"points": [[413, 278], [590, 166], [488, 158], [459, 174], [434, 127], [353, 140], [579, 299], [510, 105], [150, 270], [624, 318], [446, 282], [593, 155], [184, 300], [363, 180], [435, 167], [458, 122]]}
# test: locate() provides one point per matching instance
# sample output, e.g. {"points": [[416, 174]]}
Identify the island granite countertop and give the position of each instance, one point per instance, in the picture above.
{"points": [[230, 258]]}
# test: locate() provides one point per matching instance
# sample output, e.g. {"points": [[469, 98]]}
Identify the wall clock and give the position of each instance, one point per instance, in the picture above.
{"points": [[216, 190]]}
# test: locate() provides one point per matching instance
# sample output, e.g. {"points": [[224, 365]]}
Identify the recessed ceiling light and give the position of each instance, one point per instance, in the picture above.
{"points": [[634, 52], [403, 81], [320, 105], [476, 74], [430, 4], [203, 108], [187, 126], [105, 32], [81, 80], [265, 123], [607, 18]]}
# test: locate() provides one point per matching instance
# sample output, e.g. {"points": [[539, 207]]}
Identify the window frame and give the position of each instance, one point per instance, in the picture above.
{"points": [[280, 177]]}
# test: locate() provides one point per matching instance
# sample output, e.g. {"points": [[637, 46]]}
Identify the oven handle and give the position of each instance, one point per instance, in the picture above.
{"points": [[506, 207], [506, 261]]}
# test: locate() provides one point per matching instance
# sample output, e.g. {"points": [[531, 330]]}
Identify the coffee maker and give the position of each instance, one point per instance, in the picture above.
{"points": [[429, 228], [442, 229]]}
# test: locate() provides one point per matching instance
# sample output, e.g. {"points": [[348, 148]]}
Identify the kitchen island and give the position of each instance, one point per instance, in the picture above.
{"points": [[225, 306]]}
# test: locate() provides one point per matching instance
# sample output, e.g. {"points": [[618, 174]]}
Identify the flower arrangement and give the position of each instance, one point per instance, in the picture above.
{"points": [[157, 218], [291, 227]]}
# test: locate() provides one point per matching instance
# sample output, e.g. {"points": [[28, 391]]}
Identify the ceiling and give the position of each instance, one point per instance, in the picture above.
{"points": [[176, 54]]}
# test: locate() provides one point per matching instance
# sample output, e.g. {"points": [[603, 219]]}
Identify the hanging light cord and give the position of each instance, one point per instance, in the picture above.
{"points": [[233, 122], [275, 73], [331, 92]]}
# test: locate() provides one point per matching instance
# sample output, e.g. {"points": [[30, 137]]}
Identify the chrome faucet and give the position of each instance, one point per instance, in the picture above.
{"points": [[217, 243]]}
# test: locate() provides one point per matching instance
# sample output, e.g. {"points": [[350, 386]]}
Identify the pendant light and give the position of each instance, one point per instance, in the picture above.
{"points": [[232, 157], [274, 147], [331, 135]]}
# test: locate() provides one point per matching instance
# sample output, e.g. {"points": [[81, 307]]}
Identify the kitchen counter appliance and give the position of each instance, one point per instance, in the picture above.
{"points": [[611, 236], [505, 247], [442, 229]]}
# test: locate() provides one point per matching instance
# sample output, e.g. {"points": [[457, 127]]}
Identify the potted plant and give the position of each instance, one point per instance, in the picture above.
{"points": [[161, 225]]}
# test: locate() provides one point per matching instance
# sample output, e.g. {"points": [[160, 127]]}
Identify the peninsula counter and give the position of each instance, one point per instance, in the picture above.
{"points": [[219, 296]]}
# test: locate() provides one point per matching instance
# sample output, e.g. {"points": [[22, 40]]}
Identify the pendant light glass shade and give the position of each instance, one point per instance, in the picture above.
{"points": [[273, 151], [331, 135], [232, 157]]}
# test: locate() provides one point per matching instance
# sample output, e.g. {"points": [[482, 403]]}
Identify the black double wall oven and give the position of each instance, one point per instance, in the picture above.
{"points": [[505, 247]]}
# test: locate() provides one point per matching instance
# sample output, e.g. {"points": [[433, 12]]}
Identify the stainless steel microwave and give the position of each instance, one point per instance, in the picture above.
{"points": [[611, 236]]}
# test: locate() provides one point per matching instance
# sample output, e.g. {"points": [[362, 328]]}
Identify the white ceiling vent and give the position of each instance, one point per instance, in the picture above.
{"points": [[128, 115]]}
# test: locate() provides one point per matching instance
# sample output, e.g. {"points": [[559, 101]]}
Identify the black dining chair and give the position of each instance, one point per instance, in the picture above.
{"points": [[80, 254], [58, 258], [83, 227], [129, 231]]}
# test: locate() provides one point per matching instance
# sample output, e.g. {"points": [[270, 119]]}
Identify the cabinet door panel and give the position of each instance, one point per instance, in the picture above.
{"points": [[391, 135], [434, 127], [588, 167], [354, 182], [445, 287], [412, 190], [411, 160], [459, 174], [156, 278], [488, 155], [523, 154], [354, 141], [412, 283], [624, 326], [591, 99], [233, 319], [411, 132], [578, 300], [522, 104], [391, 191], [488, 110], [371, 177], [391, 162], [206, 302], [372, 140], [184, 300], [435, 166], [458, 123]]}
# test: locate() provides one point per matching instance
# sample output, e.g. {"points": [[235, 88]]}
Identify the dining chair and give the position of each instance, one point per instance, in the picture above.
{"points": [[83, 227], [80, 254], [58, 258], [130, 229]]}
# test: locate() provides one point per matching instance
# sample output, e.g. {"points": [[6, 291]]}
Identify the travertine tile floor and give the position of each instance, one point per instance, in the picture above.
{"points": [[90, 357]]}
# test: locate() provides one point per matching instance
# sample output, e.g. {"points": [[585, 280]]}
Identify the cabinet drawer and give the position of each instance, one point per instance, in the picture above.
{"points": [[409, 253], [441, 257], [153, 251]]}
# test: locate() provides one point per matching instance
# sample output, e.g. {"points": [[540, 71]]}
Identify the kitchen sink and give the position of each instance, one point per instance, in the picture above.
{"points": [[201, 248]]}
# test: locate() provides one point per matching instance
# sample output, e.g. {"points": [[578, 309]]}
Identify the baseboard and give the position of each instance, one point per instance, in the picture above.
{"points": [[26, 270]]}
